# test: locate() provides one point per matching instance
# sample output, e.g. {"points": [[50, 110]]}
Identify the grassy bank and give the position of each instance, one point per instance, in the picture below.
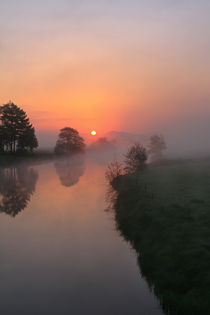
{"points": [[165, 214]]}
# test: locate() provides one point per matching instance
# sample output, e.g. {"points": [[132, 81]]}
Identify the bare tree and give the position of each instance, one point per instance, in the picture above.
{"points": [[135, 158], [113, 170]]}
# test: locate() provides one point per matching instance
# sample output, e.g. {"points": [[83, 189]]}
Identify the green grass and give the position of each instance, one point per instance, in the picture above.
{"points": [[165, 213]]}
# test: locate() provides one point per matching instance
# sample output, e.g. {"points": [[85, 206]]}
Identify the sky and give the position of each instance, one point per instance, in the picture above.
{"points": [[131, 65]]}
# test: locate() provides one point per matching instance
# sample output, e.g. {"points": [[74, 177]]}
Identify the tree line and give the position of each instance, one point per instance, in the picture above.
{"points": [[17, 134]]}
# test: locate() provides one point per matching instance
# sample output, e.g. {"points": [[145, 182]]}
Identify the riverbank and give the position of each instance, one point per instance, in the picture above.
{"points": [[7, 159], [164, 212]]}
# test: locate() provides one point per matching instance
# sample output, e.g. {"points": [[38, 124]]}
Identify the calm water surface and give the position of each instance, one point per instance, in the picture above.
{"points": [[60, 251]]}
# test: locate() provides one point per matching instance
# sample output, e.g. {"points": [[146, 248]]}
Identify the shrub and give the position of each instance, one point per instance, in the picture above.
{"points": [[135, 158]]}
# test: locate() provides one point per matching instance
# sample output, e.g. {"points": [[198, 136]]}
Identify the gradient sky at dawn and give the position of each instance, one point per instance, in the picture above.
{"points": [[128, 65]]}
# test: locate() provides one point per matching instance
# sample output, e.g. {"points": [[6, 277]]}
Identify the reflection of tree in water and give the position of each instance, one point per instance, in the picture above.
{"points": [[17, 185], [168, 224], [70, 170]]}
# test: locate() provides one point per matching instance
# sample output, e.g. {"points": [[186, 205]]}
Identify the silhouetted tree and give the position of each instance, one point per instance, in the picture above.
{"points": [[135, 158], [28, 140], [16, 131], [69, 142], [156, 147]]}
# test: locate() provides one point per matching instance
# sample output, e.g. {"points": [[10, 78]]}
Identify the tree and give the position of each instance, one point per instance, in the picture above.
{"points": [[114, 170], [69, 142], [16, 131], [135, 158], [1, 139], [28, 140], [156, 147]]}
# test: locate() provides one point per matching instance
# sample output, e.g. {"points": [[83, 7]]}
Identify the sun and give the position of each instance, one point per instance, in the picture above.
{"points": [[93, 132]]}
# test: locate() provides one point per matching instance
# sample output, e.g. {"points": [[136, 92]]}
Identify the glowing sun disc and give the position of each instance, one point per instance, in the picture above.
{"points": [[93, 132]]}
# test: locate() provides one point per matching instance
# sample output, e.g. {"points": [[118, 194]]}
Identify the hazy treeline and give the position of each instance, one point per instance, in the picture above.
{"points": [[17, 134]]}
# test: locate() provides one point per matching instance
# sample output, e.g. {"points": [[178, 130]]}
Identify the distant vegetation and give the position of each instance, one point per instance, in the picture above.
{"points": [[156, 147], [102, 144], [163, 211]]}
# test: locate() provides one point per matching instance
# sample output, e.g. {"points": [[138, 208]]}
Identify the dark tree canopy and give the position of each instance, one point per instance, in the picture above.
{"points": [[69, 142], [16, 131]]}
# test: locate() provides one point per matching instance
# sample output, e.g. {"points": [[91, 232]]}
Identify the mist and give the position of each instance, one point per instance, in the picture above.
{"points": [[184, 137]]}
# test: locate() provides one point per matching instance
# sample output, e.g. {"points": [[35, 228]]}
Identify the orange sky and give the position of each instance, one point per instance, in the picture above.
{"points": [[105, 66]]}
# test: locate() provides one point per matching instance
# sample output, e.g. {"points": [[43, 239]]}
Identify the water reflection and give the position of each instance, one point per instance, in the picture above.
{"points": [[64, 251], [17, 185], [70, 170]]}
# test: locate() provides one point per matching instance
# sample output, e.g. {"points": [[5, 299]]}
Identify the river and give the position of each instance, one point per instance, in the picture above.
{"points": [[60, 250]]}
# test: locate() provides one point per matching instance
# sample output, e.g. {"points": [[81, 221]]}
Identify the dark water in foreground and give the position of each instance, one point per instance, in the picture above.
{"points": [[60, 251]]}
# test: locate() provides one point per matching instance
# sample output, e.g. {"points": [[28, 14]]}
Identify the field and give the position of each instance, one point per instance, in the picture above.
{"points": [[164, 212]]}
